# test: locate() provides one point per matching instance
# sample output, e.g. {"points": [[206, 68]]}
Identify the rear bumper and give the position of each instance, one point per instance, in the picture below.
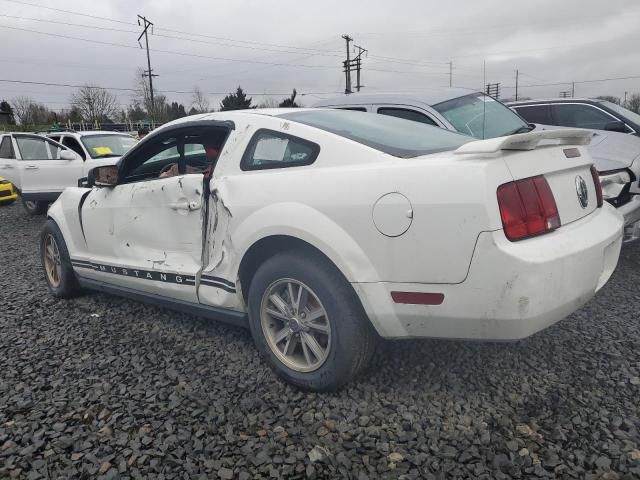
{"points": [[512, 290]]}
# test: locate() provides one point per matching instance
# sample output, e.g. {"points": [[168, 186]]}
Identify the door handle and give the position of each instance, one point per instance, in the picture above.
{"points": [[187, 206], [31, 167]]}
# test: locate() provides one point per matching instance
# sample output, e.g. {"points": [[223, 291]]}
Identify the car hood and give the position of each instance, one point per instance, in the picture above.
{"points": [[610, 150]]}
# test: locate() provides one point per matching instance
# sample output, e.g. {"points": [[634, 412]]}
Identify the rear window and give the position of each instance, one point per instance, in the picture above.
{"points": [[395, 136]]}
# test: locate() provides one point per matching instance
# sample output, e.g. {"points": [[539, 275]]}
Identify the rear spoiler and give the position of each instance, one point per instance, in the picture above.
{"points": [[527, 141]]}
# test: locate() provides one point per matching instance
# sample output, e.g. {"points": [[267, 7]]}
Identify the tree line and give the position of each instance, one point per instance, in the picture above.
{"points": [[94, 104]]}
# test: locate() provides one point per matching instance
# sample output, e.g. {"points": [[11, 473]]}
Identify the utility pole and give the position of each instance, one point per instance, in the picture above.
{"points": [[625, 99], [573, 89], [517, 75], [450, 74], [347, 66], [149, 72], [358, 63]]}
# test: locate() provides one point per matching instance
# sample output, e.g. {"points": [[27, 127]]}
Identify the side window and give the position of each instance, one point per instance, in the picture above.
{"points": [[73, 144], [269, 149], [55, 138], [162, 158], [6, 148], [581, 116], [32, 148], [407, 114], [535, 114]]}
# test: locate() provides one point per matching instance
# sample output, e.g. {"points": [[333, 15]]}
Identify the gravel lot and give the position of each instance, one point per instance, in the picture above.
{"points": [[109, 388]]}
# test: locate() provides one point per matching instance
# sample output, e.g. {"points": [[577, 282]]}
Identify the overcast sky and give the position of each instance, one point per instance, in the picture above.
{"points": [[275, 46]]}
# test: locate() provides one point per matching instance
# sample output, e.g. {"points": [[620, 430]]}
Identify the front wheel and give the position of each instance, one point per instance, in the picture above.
{"points": [[307, 322], [34, 208], [58, 271]]}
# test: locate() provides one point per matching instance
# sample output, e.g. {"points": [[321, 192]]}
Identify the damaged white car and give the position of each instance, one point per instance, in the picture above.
{"points": [[324, 230]]}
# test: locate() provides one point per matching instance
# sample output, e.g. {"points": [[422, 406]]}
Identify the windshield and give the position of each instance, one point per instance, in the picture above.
{"points": [[625, 112], [392, 135], [102, 146], [481, 116]]}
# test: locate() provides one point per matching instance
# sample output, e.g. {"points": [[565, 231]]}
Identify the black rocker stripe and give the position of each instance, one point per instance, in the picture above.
{"points": [[219, 280], [221, 286], [167, 277]]}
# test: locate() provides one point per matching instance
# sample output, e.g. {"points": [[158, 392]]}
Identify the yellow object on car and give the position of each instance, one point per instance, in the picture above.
{"points": [[8, 193]]}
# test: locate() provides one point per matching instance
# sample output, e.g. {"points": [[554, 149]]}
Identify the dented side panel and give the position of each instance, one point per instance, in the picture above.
{"points": [[143, 230]]}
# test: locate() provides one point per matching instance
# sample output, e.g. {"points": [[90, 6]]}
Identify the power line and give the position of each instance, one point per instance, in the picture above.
{"points": [[123, 89], [631, 77], [163, 29], [173, 37], [184, 54], [71, 13]]}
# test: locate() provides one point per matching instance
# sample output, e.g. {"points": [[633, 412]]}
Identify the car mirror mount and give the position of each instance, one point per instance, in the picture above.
{"points": [[103, 176]]}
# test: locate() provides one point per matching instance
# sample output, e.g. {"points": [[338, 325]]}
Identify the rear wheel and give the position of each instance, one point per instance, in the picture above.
{"points": [[308, 323], [34, 208], [58, 271]]}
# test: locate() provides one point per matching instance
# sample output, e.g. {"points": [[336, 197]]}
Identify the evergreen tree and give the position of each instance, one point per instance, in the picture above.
{"points": [[235, 101], [5, 107], [290, 102]]}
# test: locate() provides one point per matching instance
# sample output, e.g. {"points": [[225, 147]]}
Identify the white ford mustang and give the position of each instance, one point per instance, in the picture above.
{"points": [[324, 230]]}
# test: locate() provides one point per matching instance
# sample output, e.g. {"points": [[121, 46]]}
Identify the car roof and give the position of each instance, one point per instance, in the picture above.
{"points": [[428, 96], [555, 100]]}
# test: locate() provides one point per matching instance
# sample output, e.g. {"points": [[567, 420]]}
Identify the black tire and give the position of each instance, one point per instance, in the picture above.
{"points": [[33, 207], [353, 338], [68, 283]]}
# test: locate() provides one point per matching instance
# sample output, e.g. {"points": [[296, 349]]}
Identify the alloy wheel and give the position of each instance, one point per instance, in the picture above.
{"points": [[295, 325], [52, 262]]}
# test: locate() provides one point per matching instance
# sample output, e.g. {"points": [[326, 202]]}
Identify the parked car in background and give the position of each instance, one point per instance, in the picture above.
{"points": [[94, 144], [323, 229], [41, 168], [591, 113], [459, 109], [8, 193], [480, 116], [615, 146]]}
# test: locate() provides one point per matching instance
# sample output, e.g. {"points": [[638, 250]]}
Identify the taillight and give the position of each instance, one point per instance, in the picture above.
{"points": [[527, 208], [596, 181]]}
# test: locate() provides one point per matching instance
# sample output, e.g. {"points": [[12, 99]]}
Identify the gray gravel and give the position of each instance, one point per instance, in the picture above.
{"points": [[109, 388]]}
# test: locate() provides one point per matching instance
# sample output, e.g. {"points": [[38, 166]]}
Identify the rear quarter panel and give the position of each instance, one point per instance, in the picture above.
{"points": [[329, 204]]}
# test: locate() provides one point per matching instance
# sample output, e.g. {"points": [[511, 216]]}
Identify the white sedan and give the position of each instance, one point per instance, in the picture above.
{"points": [[324, 230]]}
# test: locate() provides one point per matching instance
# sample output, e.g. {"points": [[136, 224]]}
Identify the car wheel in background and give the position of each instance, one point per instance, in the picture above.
{"points": [[34, 208], [308, 323], [58, 271]]}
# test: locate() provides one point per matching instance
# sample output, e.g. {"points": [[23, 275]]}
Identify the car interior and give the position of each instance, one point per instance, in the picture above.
{"points": [[193, 150]]}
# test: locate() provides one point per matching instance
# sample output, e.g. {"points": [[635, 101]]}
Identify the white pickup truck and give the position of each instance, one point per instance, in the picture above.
{"points": [[41, 168]]}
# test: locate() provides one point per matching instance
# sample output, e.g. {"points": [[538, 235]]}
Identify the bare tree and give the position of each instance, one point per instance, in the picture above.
{"points": [[141, 100], [633, 103], [200, 101], [94, 104], [23, 109]]}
